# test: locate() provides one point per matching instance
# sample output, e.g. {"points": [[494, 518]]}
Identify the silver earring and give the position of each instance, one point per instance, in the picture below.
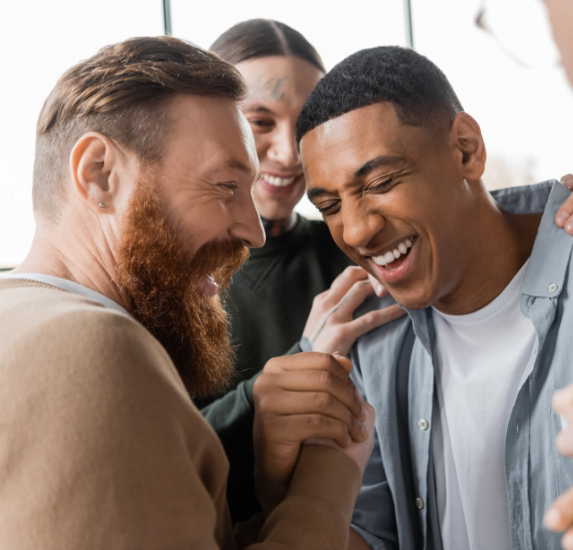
{"points": [[101, 205]]}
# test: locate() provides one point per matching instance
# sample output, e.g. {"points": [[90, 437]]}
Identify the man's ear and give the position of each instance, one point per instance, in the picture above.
{"points": [[94, 165], [466, 137]]}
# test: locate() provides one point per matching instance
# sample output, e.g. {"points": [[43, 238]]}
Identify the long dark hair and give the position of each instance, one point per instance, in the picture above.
{"points": [[262, 38]]}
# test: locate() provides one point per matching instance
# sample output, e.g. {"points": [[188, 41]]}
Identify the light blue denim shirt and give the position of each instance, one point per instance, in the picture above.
{"points": [[394, 369]]}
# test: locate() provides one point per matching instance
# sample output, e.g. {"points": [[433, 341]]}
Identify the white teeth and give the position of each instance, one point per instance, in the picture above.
{"points": [[390, 256], [276, 181]]}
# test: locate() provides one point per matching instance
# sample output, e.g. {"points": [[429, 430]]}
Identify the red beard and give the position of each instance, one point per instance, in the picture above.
{"points": [[159, 285]]}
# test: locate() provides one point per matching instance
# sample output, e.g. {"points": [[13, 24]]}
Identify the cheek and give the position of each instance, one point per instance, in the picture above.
{"points": [[262, 146]]}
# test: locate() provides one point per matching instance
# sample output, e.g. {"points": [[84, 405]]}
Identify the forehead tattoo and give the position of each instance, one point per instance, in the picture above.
{"points": [[265, 89]]}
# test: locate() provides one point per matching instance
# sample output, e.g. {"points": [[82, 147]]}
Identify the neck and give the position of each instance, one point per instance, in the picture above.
{"points": [[78, 257], [495, 251], [276, 228]]}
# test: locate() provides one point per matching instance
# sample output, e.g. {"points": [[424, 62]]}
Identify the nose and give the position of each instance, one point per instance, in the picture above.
{"points": [[284, 149], [360, 225], [248, 227]]}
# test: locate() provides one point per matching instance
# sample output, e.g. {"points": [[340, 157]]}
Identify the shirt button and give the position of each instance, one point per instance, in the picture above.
{"points": [[419, 503], [423, 424], [553, 288]]}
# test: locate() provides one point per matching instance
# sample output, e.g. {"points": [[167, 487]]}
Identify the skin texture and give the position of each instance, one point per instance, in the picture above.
{"points": [[426, 186], [210, 146], [278, 88]]}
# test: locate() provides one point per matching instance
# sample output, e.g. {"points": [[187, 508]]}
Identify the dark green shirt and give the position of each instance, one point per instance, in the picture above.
{"points": [[269, 302]]}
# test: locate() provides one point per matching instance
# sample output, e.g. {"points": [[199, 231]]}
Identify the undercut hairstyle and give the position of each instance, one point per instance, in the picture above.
{"points": [[122, 92], [417, 89], [263, 38]]}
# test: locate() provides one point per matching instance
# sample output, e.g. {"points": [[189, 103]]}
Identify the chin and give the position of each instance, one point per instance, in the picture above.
{"points": [[411, 300]]}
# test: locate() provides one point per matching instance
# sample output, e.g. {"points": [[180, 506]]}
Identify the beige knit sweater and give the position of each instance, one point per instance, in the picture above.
{"points": [[101, 447]]}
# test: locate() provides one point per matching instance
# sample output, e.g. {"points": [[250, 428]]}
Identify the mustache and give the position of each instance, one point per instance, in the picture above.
{"points": [[220, 259]]}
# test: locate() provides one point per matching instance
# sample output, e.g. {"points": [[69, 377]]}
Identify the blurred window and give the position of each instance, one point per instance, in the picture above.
{"points": [[505, 77]]}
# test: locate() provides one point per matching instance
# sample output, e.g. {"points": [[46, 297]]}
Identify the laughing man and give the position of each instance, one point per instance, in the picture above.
{"points": [[462, 386]]}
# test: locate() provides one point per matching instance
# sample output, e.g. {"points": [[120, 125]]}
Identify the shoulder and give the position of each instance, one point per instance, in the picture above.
{"points": [[524, 199], [66, 343], [381, 343]]}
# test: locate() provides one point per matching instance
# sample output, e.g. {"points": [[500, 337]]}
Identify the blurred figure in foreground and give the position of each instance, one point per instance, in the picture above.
{"points": [[560, 516]]}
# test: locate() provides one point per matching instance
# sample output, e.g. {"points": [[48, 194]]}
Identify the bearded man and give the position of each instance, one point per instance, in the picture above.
{"points": [[143, 200]]}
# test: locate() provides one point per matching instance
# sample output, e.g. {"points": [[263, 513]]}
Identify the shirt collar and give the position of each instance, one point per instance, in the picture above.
{"points": [[69, 286], [546, 272], [550, 255]]}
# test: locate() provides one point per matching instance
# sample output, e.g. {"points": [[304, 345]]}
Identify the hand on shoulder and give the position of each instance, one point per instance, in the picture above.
{"points": [[331, 326]]}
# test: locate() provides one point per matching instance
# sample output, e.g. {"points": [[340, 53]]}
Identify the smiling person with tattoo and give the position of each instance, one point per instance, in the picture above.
{"points": [[270, 298]]}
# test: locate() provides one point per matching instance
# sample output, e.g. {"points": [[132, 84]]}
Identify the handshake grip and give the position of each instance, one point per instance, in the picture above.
{"points": [[306, 399]]}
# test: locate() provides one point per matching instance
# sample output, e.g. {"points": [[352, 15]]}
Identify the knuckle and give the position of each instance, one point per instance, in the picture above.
{"points": [[325, 379], [324, 360], [319, 298], [351, 269], [323, 400], [272, 365], [315, 421], [341, 430], [339, 333]]}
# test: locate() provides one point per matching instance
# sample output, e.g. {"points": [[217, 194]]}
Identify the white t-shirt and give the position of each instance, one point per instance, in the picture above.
{"points": [[480, 359]]}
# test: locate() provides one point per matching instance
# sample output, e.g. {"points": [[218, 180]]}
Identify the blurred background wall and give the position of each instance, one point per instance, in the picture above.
{"points": [[506, 76]]}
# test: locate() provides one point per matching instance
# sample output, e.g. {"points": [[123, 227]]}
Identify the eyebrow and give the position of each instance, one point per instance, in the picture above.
{"points": [[235, 164], [365, 169], [258, 109], [383, 160]]}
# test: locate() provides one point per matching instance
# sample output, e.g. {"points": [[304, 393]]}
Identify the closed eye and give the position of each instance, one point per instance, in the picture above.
{"points": [[379, 186], [329, 208], [230, 185]]}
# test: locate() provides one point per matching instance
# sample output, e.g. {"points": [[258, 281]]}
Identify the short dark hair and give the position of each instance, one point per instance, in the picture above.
{"points": [[262, 38], [418, 90], [122, 92]]}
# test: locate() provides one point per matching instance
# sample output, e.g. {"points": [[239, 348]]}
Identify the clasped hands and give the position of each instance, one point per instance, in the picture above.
{"points": [[309, 398]]}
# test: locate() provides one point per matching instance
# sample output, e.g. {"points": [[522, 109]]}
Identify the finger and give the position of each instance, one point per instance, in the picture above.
{"points": [[271, 385], [560, 514], [567, 181], [320, 441], [308, 360], [343, 283], [344, 311], [373, 319], [564, 215], [322, 403], [564, 442], [567, 540], [563, 402], [344, 362], [295, 429], [379, 288]]}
